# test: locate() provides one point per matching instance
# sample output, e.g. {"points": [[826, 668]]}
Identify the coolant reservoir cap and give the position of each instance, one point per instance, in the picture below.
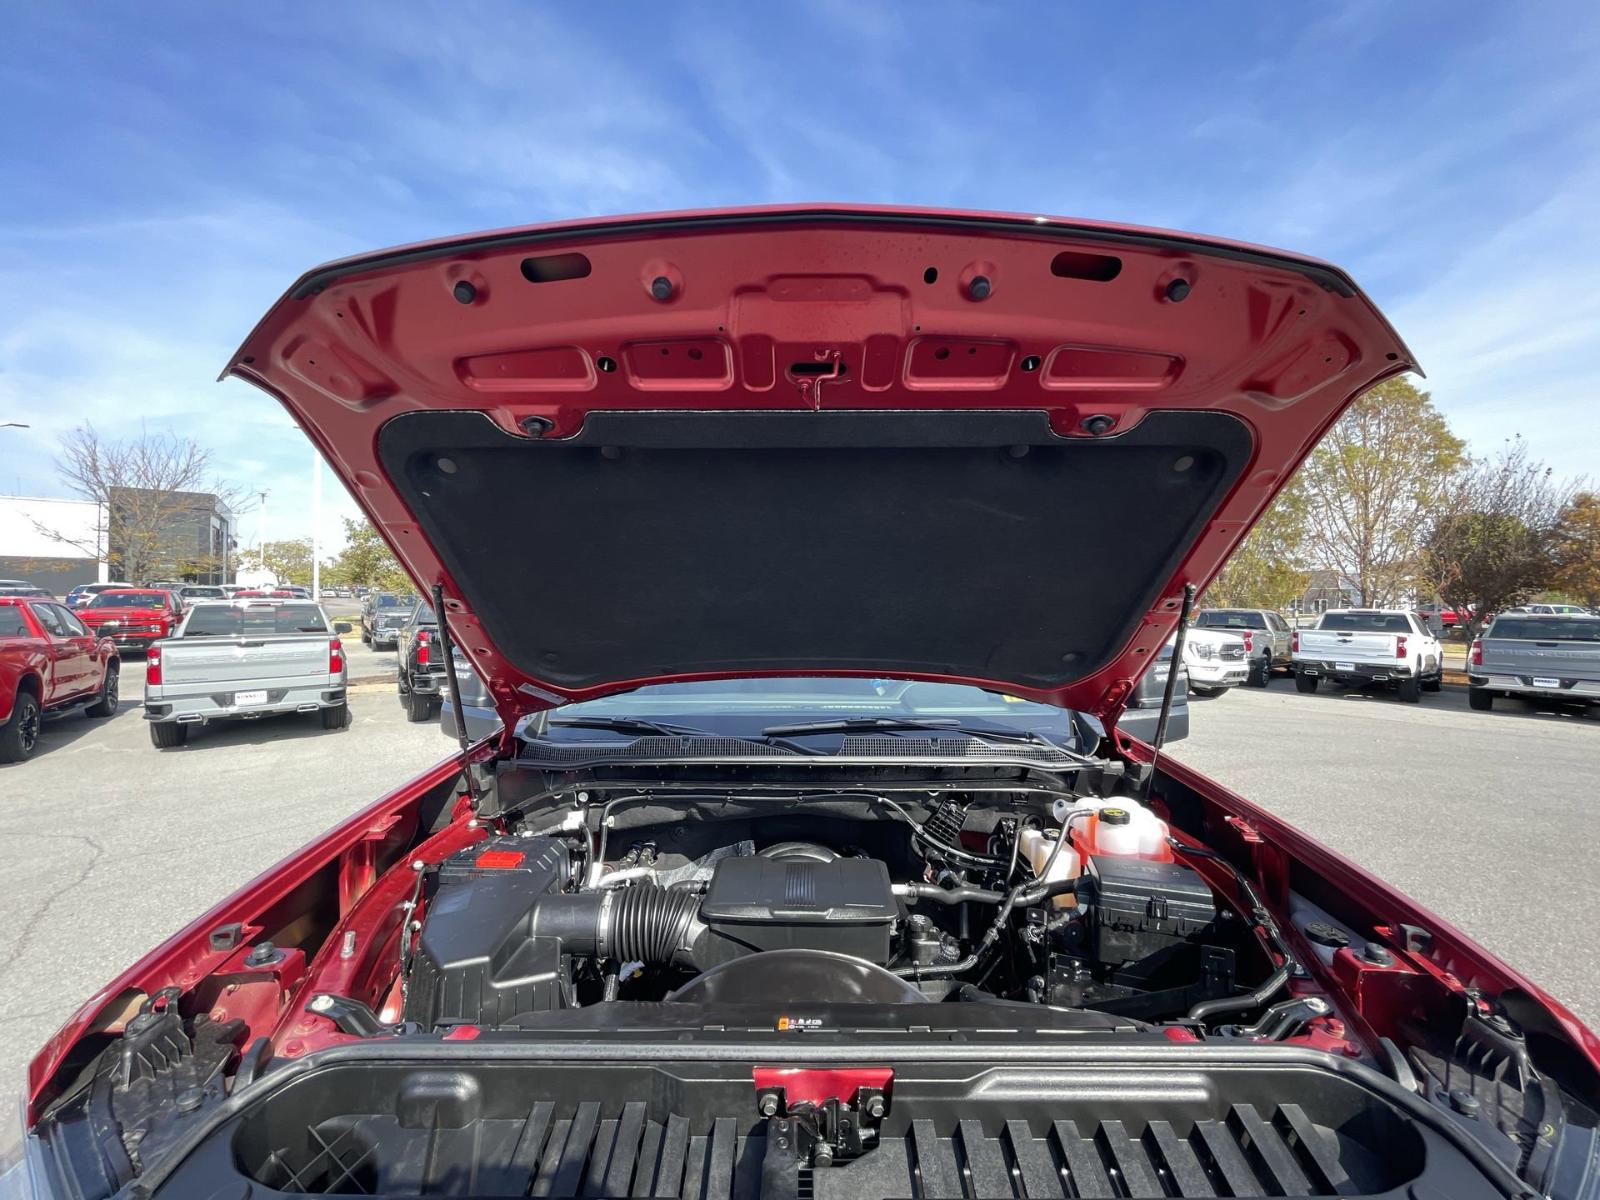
{"points": [[1115, 816]]}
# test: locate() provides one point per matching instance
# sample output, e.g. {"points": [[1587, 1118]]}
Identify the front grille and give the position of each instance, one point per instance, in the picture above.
{"points": [[562, 1149], [1233, 653]]}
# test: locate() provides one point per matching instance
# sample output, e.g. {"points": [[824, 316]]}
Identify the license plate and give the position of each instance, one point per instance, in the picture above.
{"points": [[1546, 683], [243, 698], [1339, 666]]}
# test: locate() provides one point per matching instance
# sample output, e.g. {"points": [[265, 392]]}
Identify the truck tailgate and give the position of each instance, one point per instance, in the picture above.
{"points": [[1551, 659], [242, 659], [1347, 645]]}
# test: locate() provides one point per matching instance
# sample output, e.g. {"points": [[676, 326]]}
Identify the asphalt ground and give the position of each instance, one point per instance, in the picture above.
{"points": [[107, 845]]}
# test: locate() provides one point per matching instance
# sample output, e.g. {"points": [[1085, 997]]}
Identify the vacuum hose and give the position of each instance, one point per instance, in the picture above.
{"points": [[637, 924]]}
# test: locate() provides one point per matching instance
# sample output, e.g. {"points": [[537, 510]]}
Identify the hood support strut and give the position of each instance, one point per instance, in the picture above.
{"points": [[454, 684], [1166, 696]]}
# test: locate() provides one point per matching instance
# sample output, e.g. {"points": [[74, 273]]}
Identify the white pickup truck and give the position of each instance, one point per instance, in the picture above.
{"points": [[1360, 646], [244, 659]]}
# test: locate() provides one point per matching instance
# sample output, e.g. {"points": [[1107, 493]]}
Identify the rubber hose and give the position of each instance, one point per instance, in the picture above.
{"points": [[649, 924]]}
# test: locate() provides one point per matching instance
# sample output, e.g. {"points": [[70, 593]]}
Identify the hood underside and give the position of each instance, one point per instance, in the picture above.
{"points": [[962, 447]]}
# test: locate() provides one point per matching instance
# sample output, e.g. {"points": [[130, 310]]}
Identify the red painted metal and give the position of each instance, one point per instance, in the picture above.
{"points": [[1282, 342], [816, 1085]]}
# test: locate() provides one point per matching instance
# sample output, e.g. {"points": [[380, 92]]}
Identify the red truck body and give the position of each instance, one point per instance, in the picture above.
{"points": [[49, 664], [131, 624]]}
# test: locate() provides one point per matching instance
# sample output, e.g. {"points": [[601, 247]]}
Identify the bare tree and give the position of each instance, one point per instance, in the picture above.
{"points": [[1494, 540], [144, 487], [1373, 485]]}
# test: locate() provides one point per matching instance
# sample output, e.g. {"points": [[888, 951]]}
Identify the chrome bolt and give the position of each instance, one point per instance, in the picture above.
{"points": [[767, 1105]]}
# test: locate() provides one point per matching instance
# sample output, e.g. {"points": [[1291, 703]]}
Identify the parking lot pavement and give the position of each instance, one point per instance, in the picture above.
{"points": [[108, 845], [1486, 818]]}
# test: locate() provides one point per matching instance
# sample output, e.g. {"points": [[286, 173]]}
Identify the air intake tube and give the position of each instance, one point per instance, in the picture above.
{"points": [[637, 924]]}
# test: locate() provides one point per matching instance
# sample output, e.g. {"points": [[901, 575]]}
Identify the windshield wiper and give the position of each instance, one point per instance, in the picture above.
{"points": [[898, 724]]}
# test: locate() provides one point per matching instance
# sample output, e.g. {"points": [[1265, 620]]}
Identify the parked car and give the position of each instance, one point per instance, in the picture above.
{"points": [[420, 675], [298, 591], [242, 660], [1215, 661], [133, 618], [50, 666], [822, 866], [20, 590], [383, 614], [1536, 656], [1550, 610], [478, 704], [1355, 647], [264, 593], [190, 592], [85, 592], [1266, 638]]}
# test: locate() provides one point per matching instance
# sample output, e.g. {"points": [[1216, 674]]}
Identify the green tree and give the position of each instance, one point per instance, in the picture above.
{"points": [[1492, 542], [1576, 549], [289, 561], [1268, 568], [366, 561], [1373, 485]]}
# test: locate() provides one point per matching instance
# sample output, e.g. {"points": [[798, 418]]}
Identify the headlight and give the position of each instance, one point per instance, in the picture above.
{"points": [[21, 1175]]}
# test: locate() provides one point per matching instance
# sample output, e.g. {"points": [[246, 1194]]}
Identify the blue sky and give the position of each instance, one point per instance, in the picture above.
{"points": [[169, 169]]}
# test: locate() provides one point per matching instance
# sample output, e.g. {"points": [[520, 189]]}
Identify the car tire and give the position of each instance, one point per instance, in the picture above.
{"points": [[106, 706], [1304, 682], [336, 717], [1480, 699], [166, 735], [1260, 673], [19, 737], [1409, 691], [418, 708], [366, 638], [1434, 683]]}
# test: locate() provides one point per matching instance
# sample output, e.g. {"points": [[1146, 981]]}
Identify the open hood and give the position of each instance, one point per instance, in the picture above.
{"points": [[966, 447]]}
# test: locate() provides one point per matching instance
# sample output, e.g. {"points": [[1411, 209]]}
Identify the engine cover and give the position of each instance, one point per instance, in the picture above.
{"points": [[755, 904]]}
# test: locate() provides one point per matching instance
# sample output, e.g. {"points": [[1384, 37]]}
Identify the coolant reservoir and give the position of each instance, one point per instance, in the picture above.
{"points": [[1122, 828], [1037, 846]]}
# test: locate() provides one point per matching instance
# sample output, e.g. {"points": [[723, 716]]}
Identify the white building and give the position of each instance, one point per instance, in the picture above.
{"points": [[55, 544]]}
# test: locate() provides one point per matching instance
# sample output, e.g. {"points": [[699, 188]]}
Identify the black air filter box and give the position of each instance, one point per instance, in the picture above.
{"points": [[756, 903], [1137, 906], [475, 962]]}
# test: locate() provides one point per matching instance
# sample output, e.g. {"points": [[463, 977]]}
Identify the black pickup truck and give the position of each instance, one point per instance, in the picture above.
{"points": [[420, 677]]}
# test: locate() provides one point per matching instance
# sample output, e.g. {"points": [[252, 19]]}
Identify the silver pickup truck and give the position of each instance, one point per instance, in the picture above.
{"points": [[1535, 657], [241, 660]]}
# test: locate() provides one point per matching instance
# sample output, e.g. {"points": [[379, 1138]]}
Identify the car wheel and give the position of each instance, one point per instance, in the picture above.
{"points": [[19, 737], [167, 735], [1410, 691], [1480, 699], [106, 706], [1434, 684], [418, 708], [336, 717], [1260, 673], [366, 638], [1305, 683]]}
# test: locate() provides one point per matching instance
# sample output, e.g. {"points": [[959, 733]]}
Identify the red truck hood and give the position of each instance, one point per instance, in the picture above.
{"points": [[957, 446], [126, 616]]}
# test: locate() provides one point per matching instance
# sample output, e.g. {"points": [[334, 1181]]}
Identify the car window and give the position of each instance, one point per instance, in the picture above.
{"points": [[1277, 623], [1231, 620], [424, 615], [129, 600], [1546, 629], [234, 620], [47, 618], [11, 622], [1366, 622], [73, 626]]}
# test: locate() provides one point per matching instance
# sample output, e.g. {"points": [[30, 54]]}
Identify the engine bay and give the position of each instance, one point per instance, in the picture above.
{"points": [[834, 898]]}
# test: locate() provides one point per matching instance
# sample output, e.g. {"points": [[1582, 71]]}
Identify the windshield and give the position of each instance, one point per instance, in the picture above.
{"points": [[743, 707], [260, 619], [385, 600], [203, 593], [129, 600], [1546, 629], [11, 621], [1366, 622], [1224, 619]]}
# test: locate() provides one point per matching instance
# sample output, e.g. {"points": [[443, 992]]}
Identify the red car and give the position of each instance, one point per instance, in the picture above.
{"points": [[50, 666], [133, 618], [810, 557]]}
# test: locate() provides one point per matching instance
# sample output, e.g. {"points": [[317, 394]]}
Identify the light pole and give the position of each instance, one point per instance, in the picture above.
{"points": [[261, 528], [316, 524]]}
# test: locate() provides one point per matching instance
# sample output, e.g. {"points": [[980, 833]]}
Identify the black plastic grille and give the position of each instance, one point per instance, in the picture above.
{"points": [[866, 746]]}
